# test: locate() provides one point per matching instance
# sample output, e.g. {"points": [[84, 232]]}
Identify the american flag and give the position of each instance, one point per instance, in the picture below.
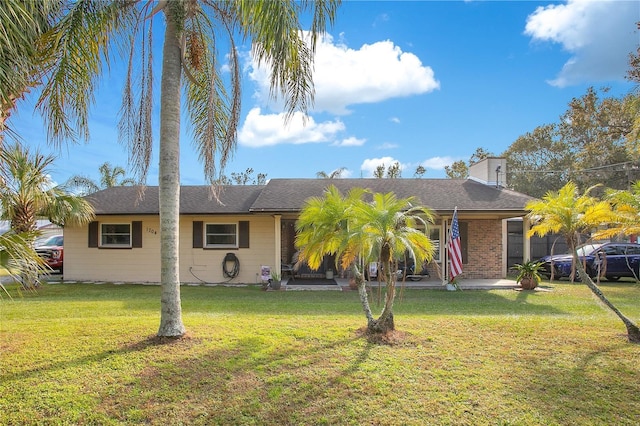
{"points": [[455, 252]]}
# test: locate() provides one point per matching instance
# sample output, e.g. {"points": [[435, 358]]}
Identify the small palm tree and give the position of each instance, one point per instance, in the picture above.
{"points": [[382, 230], [27, 193], [18, 257], [571, 214], [109, 177]]}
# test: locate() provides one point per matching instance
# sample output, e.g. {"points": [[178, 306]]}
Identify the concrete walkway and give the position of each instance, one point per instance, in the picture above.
{"points": [[342, 284]]}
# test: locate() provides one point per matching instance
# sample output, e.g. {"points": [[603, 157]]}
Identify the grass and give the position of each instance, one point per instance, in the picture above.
{"points": [[86, 354]]}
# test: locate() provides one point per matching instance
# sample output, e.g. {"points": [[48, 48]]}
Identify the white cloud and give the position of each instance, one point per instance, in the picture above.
{"points": [[351, 141], [344, 76], [438, 163], [395, 120], [370, 164], [599, 35], [269, 129]]}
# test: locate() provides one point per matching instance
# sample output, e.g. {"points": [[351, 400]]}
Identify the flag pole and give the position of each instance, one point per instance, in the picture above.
{"points": [[445, 264], [454, 248]]}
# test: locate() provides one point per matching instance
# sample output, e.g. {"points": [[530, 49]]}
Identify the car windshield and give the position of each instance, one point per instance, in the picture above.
{"points": [[56, 240], [587, 249]]}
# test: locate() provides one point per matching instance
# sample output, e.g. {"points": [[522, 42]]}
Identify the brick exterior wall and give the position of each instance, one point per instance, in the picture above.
{"points": [[484, 249]]}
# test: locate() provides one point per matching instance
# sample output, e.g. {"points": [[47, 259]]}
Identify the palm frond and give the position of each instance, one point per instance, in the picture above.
{"points": [[213, 116], [135, 123], [80, 43], [22, 23], [278, 42]]}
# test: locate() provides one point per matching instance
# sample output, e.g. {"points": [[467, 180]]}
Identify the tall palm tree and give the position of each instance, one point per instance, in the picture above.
{"points": [[382, 230], [27, 193], [571, 214], [109, 177], [82, 40]]}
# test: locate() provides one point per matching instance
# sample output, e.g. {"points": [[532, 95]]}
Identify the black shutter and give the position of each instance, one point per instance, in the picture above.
{"points": [[197, 234], [93, 234], [243, 234], [136, 234]]}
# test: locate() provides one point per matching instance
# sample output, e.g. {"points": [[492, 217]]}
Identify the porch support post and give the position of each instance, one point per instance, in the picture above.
{"points": [[277, 250], [505, 248], [526, 240], [445, 259]]}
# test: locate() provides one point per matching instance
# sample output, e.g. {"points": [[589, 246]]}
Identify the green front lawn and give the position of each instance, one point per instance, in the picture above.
{"points": [[86, 354]]}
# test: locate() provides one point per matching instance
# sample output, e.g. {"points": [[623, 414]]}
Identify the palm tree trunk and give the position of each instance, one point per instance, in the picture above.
{"points": [[364, 297], [24, 223], [169, 185], [633, 332], [385, 322]]}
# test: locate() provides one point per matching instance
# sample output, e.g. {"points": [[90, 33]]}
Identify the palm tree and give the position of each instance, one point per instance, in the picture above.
{"points": [[109, 177], [336, 174], [18, 257], [627, 210], [382, 230], [26, 193], [571, 214], [82, 40]]}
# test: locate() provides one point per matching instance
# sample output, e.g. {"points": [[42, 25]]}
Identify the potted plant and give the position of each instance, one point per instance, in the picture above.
{"points": [[276, 281], [453, 285], [528, 274]]}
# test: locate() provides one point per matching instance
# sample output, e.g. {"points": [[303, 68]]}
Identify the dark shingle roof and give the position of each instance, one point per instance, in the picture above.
{"points": [[441, 195], [193, 200], [289, 195]]}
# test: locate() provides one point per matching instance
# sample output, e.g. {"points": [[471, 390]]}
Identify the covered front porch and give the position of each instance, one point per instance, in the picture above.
{"points": [[484, 249]]}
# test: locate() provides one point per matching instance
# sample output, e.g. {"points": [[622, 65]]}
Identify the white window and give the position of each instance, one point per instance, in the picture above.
{"points": [[221, 235], [115, 235]]}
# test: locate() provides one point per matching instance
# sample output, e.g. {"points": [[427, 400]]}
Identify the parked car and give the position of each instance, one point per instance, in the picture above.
{"points": [[51, 250], [611, 260]]}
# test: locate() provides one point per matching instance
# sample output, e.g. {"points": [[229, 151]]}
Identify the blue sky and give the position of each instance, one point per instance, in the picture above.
{"points": [[417, 82]]}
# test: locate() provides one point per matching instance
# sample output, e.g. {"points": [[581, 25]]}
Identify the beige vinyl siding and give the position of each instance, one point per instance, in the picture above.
{"points": [[142, 265], [82, 263], [206, 264]]}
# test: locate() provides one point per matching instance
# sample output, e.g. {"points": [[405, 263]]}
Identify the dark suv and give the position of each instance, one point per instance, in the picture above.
{"points": [[611, 260], [52, 252]]}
